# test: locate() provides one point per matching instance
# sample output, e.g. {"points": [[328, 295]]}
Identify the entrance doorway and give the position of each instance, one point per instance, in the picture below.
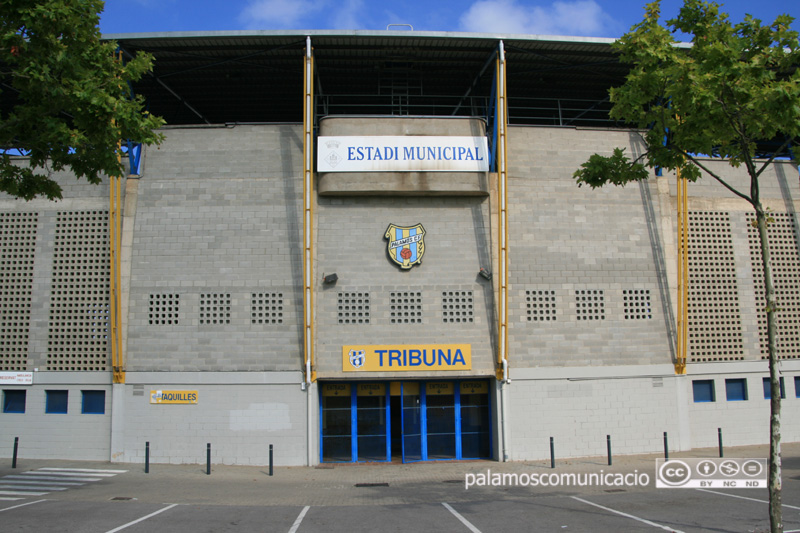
{"points": [[395, 403], [405, 420]]}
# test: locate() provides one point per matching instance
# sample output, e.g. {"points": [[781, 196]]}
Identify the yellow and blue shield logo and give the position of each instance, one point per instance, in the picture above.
{"points": [[406, 244]]}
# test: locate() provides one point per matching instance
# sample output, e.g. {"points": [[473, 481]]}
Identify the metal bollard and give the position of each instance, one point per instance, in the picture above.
{"points": [[666, 447], [147, 457], [16, 447], [608, 446], [552, 454], [719, 436], [270, 459], [208, 459]]}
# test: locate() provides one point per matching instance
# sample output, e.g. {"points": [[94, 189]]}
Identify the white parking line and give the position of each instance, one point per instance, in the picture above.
{"points": [[28, 479], [66, 475], [142, 519], [299, 519], [49, 478], [20, 493], [28, 487], [21, 505], [463, 520], [90, 470], [638, 519], [744, 497], [38, 482]]}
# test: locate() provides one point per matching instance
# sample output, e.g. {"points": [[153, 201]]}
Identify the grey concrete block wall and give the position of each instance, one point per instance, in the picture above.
{"points": [[44, 435], [239, 420], [219, 212], [743, 422], [567, 239], [73, 435], [778, 181], [350, 242], [79, 196], [580, 413]]}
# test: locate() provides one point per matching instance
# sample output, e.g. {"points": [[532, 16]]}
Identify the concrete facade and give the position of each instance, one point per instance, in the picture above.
{"points": [[212, 285]]}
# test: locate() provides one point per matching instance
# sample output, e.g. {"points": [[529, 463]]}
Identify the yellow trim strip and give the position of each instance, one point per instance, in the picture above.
{"points": [[115, 283], [683, 276], [115, 294], [502, 198], [308, 213]]}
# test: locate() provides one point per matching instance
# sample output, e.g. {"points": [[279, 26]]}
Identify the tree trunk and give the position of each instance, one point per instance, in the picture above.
{"points": [[774, 481]]}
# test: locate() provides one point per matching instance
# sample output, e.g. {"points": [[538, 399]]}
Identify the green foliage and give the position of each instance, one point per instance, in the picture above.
{"points": [[734, 86], [616, 169], [71, 103]]}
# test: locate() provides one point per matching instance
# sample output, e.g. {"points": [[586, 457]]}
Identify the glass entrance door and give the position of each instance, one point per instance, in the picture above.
{"points": [[440, 429], [372, 429], [336, 423], [410, 420], [413, 422]]}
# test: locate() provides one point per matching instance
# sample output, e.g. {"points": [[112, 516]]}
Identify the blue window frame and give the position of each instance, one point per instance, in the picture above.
{"points": [[415, 420], [13, 401], [93, 402], [736, 389], [56, 402], [797, 386], [703, 390], [768, 389]]}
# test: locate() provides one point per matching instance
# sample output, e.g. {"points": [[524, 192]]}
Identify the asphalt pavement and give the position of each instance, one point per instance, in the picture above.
{"points": [[472, 496]]}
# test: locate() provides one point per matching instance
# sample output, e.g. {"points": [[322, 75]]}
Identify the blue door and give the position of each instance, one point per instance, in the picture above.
{"points": [[413, 406]]}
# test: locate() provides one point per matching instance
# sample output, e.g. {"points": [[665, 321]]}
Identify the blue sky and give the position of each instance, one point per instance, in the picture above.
{"points": [[590, 18]]}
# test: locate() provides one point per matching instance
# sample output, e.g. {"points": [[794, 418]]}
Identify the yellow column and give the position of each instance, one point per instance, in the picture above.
{"points": [[502, 197], [308, 212], [115, 293], [683, 277]]}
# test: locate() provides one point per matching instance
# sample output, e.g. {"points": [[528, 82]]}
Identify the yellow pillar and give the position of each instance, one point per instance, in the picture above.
{"points": [[683, 277], [308, 213], [502, 197]]}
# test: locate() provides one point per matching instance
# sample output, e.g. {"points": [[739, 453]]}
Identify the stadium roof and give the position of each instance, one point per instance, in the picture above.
{"points": [[230, 77]]}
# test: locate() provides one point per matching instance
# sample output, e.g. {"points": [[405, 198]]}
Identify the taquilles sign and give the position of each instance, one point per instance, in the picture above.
{"points": [[173, 396], [402, 154], [406, 357]]}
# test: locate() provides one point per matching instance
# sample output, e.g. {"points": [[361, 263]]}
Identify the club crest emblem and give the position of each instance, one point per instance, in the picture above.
{"points": [[357, 358], [406, 244]]}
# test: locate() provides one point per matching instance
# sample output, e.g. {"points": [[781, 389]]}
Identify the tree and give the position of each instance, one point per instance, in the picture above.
{"points": [[66, 101], [736, 88]]}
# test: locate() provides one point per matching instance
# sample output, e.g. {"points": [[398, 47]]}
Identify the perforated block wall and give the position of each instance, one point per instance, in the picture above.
{"points": [[79, 312], [715, 331], [785, 262], [17, 250]]}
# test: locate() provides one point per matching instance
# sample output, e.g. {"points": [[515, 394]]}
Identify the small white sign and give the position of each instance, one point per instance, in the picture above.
{"points": [[411, 153], [16, 378]]}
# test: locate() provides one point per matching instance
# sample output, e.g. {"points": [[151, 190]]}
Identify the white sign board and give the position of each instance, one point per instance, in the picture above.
{"points": [[16, 378], [402, 154]]}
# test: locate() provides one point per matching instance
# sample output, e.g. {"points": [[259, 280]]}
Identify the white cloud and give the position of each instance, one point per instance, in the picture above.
{"points": [[296, 14], [347, 15], [579, 17], [278, 14]]}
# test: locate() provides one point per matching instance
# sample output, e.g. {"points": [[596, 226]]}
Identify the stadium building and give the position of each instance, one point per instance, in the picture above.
{"points": [[368, 246]]}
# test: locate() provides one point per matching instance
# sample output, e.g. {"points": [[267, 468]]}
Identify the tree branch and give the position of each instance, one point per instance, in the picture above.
{"points": [[716, 177], [773, 156]]}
